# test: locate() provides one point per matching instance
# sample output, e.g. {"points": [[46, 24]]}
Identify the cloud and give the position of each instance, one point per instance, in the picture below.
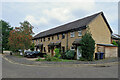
{"points": [[46, 15], [60, 14], [33, 20]]}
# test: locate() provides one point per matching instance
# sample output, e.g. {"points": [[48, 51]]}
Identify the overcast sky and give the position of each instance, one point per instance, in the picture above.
{"points": [[46, 15]]}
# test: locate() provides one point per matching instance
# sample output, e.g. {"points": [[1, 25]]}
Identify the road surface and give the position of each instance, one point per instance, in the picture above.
{"points": [[11, 70]]}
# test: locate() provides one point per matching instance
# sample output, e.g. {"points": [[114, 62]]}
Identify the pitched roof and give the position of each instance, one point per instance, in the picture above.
{"points": [[81, 23], [116, 36]]}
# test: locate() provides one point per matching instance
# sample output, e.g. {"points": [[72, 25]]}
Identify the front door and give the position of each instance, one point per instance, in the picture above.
{"points": [[78, 53], [52, 52]]}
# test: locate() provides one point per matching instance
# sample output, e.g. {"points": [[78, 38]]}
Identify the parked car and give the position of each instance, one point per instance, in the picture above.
{"points": [[36, 53], [29, 54], [26, 53]]}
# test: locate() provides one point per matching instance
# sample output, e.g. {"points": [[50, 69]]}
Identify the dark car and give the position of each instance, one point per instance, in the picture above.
{"points": [[29, 54], [26, 53], [36, 53]]}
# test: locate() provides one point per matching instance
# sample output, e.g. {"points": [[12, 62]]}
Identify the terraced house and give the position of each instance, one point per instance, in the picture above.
{"points": [[67, 36]]}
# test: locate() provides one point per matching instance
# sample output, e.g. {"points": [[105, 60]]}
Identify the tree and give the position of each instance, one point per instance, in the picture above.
{"points": [[114, 43], [21, 37], [88, 46], [32, 47], [6, 28]]}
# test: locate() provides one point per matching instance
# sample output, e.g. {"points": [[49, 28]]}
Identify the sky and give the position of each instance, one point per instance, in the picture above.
{"points": [[44, 15]]}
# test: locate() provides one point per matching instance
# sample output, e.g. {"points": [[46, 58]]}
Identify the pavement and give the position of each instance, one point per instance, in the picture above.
{"points": [[31, 61]]}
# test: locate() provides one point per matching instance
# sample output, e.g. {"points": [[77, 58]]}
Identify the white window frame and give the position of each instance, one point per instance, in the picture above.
{"points": [[80, 33], [72, 34], [71, 48]]}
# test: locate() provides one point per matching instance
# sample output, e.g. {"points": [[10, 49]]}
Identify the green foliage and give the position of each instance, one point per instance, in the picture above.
{"points": [[82, 59], [115, 43], [5, 28], [32, 47], [88, 46], [57, 53], [20, 37], [70, 54], [49, 58]]}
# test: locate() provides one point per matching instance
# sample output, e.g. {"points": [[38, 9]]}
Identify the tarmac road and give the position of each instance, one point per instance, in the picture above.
{"points": [[11, 70]]}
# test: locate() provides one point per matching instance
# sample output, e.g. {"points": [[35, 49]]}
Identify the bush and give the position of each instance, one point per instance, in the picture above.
{"points": [[88, 46], [115, 43], [82, 59], [49, 58], [70, 54], [57, 53], [32, 47], [63, 56]]}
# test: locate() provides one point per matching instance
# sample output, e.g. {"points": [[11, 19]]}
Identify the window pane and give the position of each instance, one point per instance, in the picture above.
{"points": [[79, 33], [63, 36], [72, 34], [58, 37]]}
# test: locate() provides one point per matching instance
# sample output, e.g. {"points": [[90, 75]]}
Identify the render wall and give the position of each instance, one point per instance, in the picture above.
{"points": [[100, 31], [111, 52]]}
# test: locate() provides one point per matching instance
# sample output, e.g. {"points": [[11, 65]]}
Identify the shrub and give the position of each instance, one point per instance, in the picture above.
{"points": [[57, 53], [70, 54], [49, 58], [63, 56], [82, 59], [88, 46], [32, 47], [115, 43]]}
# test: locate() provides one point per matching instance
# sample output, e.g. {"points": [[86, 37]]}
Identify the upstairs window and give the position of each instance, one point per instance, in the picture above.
{"points": [[63, 36], [49, 39], [72, 34], [52, 37], [44, 39], [41, 39], [79, 33], [58, 36]]}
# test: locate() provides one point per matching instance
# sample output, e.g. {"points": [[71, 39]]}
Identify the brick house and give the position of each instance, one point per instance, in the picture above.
{"points": [[67, 36]]}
